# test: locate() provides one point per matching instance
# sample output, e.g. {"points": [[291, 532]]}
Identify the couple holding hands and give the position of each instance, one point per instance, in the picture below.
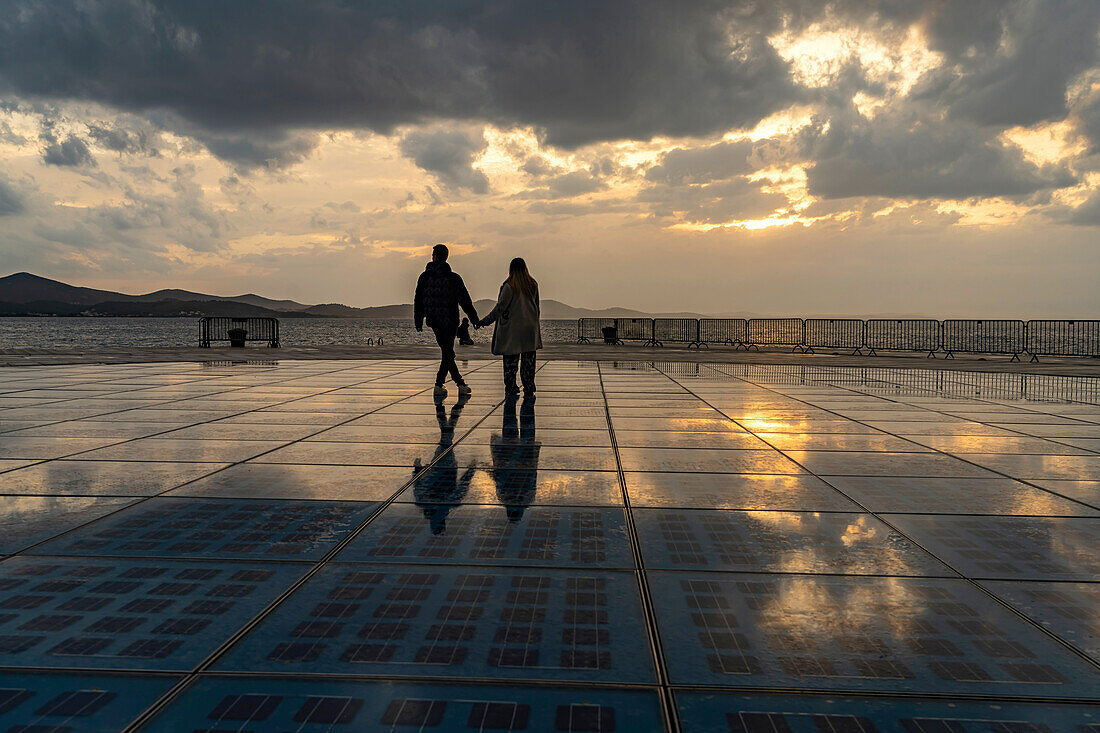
{"points": [[440, 292]]}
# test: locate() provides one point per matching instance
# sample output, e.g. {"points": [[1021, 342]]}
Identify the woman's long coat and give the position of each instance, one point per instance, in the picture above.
{"points": [[517, 318]]}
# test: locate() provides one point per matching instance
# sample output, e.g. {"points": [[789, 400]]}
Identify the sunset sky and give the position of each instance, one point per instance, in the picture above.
{"points": [[778, 157]]}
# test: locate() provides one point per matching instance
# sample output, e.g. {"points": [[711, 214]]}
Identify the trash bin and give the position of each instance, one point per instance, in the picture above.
{"points": [[237, 337]]}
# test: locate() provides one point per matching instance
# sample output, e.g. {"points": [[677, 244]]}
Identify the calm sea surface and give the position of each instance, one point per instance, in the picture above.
{"points": [[87, 333]]}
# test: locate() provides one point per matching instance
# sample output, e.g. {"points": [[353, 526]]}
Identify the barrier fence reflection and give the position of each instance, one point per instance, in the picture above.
{"points": [[953, 336]]}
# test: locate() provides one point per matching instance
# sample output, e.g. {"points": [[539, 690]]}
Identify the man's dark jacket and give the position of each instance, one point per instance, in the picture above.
{"points": [[439, 293]]}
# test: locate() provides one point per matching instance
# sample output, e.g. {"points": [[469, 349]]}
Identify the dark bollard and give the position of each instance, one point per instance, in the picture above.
{"points": [[237, 337]]}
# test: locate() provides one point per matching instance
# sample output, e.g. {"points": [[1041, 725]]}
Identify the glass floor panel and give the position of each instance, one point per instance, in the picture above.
{"points": [[278, 704], [439, 621], [171, 527], [324, 545], [127, 614], [816, 714], [68, 703]]}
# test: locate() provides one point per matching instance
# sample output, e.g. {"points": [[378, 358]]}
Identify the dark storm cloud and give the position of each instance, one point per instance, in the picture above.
{"points": [[1088, 213], [11, 200], [70, 152], [449, 155], [1010, 63], [909, 155], [580, 71], [715, 203], [703, 164]]}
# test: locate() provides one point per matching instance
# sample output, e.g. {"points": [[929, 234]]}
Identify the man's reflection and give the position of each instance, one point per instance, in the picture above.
{"points": [[516, 458], [439, 490]]}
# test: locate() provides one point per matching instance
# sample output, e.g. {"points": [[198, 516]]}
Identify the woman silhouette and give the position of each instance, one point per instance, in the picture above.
{"points": [[517, 334]]}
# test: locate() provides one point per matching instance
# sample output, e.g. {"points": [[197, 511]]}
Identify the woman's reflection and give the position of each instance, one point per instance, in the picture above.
{"points": [[516, 458], [439, 490]]}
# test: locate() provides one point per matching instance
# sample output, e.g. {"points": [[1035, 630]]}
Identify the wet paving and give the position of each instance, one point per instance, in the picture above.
{"points": [[325, 546]]}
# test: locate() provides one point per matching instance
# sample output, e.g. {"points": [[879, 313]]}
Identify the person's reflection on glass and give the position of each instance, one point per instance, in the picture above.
{"points": [[439, 490], [516, 458]]}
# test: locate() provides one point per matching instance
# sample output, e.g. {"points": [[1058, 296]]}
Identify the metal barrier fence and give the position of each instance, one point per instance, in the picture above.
{"points": [[775, 332], [983, 337], [1036, 337], [834, 333], [731, 331], [592, 328], [222, 328], [635, 329], [902, 334], [677, 330], [1062, 338]]}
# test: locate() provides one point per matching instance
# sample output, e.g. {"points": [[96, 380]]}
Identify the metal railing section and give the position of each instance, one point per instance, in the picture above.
{"points": [[977, 336], [217, 328]]}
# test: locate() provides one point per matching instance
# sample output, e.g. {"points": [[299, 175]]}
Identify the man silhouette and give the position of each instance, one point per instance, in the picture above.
{"points": [[439, 294]]}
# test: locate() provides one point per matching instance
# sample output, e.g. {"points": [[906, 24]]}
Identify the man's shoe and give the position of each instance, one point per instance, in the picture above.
{"points": [[528, 394], [440, 391], [464, 388], [511, 391]]}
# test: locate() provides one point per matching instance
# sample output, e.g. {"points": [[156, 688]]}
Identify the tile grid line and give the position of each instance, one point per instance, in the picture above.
{"points": [[144, 387], [1019, 433], [189, 678], [944, 452], [122, 441], [901, 437], [144, 499], [973, 583], [668, 702]]}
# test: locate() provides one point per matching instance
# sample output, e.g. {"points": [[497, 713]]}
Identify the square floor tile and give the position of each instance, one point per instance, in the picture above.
{"points": [[989, 444], [841, 442], [102, 478], [707, 461], [217, 528], [501, 535], [702, 711], [48, 447], [1013, 548], [856, 463], [769, 541], [26, 520], [734, 491], [1084, 491], [357, 454], [687, 439], [59, 702], [553, 437], [96, 429], [801, 426], [8, 464], [448, 484], [913, 494], [278, 704], [915, 428], [1069, 610], [128, 614], [848, 633], [504, 454], [674, 424], [1074, 468], [295, 481], [164, 449], [455, 622]]}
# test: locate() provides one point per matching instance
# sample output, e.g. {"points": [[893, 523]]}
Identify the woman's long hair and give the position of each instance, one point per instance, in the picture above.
{"points": [[520, 279]]}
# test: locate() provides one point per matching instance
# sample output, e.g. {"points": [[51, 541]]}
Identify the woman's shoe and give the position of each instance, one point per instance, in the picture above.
{"points": [[440, 391], [511, 391]]}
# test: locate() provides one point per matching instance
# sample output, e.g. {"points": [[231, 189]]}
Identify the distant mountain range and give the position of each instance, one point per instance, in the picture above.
{"points": [[25, 294]]}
